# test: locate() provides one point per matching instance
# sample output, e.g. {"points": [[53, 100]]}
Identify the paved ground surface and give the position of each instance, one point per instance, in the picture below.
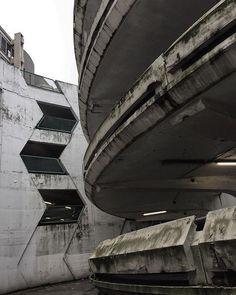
{"points": [[73, 288]]}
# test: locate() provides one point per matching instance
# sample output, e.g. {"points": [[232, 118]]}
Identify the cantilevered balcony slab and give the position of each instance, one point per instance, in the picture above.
{"points": [[158, 150], [125, 38]]}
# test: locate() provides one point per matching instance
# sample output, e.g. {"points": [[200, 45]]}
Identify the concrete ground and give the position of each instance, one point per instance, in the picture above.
{"points": [[83, 287]]}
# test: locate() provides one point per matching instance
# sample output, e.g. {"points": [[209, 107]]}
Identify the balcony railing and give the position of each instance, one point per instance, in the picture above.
{"points": [[40, 81], [43, 165]]}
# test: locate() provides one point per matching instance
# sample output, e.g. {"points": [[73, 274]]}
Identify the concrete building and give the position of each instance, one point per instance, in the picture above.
{"points": [[48, 228], [157, 107]]}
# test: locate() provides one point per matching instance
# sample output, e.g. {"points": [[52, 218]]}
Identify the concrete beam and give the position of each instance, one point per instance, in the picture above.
{"points": [[197, 184]]}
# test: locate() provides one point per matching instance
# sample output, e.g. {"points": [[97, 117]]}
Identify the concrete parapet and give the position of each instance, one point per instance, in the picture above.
{"points": [[218, 247], [173, 253], [161, 248]]}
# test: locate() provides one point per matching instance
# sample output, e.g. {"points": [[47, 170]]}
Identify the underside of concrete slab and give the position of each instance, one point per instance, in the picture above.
{"points": [[160, 148]]}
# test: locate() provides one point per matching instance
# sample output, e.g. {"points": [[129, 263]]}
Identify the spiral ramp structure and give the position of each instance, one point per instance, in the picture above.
{"points": [[157, 107]]}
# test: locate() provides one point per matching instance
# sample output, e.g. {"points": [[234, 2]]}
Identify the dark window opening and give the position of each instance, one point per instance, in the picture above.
{"points": [[56, 110], [43, 165], [33, 148], [61, 197], [43, 158], [59, 214], [63, 206], [3, 45], [57, 118], [6, 47]]}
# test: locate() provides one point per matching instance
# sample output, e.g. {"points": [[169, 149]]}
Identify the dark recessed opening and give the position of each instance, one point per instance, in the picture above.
{"points": [[59, 214], [56, 118], [165, 279], [61, 197], [43, 158], [56, 111], [63, 206], [33, 148]]}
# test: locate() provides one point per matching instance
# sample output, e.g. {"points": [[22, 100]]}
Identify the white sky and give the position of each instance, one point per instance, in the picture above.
{"points": [[47, 26]]}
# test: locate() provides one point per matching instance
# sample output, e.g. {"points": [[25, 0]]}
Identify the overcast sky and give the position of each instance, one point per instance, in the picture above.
{"points": [[47, 26]]}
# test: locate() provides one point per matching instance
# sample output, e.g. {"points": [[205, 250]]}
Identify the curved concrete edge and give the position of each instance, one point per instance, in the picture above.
{"points": [[215, 20], [154, 75], [96, 46], [79, 11], [153, 113], [94, 34], [209, 25], [158, 290], [107, 21]]}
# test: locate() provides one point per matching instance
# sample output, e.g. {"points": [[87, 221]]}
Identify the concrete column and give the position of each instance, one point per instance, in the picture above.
{"points": [[18, 59]]}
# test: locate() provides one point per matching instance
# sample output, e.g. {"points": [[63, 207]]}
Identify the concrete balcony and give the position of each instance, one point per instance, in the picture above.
{"points": [[163, 147], [122, 41]]}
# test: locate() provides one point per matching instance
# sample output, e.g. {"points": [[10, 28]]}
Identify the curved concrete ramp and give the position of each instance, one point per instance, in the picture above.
{"points": [[124, 39], [159, 149]]}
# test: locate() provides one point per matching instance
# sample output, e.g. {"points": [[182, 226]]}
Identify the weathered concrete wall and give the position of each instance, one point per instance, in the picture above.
{"points": [[156, 249], [43, 260], [95, 225], [32, 255], [21, 205]]}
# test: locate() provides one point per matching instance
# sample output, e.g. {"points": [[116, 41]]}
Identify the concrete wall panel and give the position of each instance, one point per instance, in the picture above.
{"points": [[94, 225], [32, 255], [43, 262], [21, 205]]}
